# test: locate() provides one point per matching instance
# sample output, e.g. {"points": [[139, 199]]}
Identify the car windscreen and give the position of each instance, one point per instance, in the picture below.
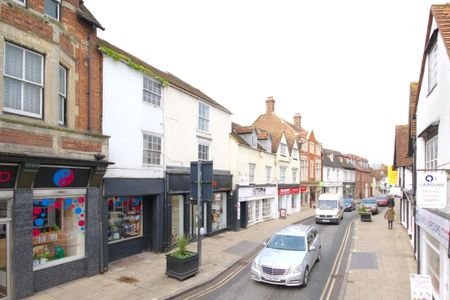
{"points": [[347, 202], [327, 204], [368, 201], [287, 242]]}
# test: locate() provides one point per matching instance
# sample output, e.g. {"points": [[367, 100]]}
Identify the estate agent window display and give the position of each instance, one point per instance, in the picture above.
{"points": [[125, 216]]}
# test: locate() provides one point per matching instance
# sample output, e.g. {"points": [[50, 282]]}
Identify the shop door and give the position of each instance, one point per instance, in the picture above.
{"points": [[4, 260]]}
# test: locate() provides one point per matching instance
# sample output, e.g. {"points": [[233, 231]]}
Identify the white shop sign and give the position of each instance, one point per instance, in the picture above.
{"points": [[435, 225], [431, 189], [421, 287], [252, 193]]}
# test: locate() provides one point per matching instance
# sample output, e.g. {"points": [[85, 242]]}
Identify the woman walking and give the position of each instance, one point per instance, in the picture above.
{"points": [[390, 216]]}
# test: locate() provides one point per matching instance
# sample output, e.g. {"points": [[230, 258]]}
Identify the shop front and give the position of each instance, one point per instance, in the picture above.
{"points": [[181, 210], [434, 250], [349, 189], [50, 208], [133, 212], [256, 203], [288, 199]]}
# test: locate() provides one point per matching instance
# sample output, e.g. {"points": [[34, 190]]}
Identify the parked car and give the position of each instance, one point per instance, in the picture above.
{"points": [[370, 204], [349, 204], [288, 256], [382, 200]]}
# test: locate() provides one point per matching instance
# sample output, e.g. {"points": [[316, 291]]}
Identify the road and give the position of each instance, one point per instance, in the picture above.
{"points": [[240, 286]]}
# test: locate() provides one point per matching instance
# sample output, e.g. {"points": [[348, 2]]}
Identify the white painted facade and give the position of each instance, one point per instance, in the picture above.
{"points": [[125, 118], [333, 179], [433, 108], [182, 136], [259, 192]]}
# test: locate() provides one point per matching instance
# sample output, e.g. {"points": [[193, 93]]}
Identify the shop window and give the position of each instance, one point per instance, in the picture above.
{"points": [[266, 208], [219, 211], [58, 229], [433, 262], [124, 218], [250, 215], [177, 202]]}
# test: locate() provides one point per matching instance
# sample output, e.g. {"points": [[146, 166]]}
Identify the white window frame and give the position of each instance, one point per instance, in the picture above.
{"points": [[295, 154], [311, 168], [283, 170], [58, 12], [318, 166], [203, 117], [303, 168], [203, 151], [150, 88], [432, 67], [318, 150], [304, 145], [283, 149], [250, 212], [147, 152], [311, 147], [431, 152], [268, 174], [24, 81], [21, 2], [62, 97], [251, 173], [294, 175], [266, 208]]}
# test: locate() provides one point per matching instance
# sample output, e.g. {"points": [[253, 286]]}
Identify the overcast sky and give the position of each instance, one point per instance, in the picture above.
{"points": [[345, 66]]}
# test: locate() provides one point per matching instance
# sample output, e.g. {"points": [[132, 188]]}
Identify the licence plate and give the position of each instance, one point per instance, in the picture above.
{"points": [[272, 278], [325, 220]]}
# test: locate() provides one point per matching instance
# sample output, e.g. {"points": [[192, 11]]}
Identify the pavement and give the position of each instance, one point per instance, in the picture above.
{"points": [[379, 267]]}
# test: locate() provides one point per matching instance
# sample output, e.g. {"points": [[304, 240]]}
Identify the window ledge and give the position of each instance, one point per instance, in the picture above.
{"points": [[58, 262]]}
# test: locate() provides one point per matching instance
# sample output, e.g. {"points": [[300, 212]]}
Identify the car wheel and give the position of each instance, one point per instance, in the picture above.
{"points": [[306, 277], [318, 255], [338, 221]]}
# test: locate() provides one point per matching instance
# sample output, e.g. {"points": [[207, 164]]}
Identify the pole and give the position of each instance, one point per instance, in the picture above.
{"points": [[199, 211]]}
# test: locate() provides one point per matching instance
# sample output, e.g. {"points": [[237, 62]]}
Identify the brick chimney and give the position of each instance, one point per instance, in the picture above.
{"points": [[298, 120], [270, 105]]}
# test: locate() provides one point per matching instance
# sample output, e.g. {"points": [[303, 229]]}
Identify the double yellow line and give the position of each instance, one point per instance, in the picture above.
{"points": [[336, 265]]}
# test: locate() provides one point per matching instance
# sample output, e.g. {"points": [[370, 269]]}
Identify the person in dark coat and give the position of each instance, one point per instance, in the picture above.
{"points": [[391, 201]]}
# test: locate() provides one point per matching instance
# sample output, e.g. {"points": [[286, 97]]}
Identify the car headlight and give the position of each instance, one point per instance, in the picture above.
{"points": [[295, 269], [255, 264]]}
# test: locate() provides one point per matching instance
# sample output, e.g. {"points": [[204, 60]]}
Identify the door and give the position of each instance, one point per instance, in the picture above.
{"points": [[4, 260]]}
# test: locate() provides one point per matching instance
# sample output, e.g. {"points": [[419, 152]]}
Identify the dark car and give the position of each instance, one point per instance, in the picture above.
{"points": [[382, 200], [349, 205], [370, 204]]}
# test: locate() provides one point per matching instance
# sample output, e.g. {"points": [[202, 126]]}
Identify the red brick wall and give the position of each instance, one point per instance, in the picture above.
{"points": [[81, 145], [11, 136], [20, 18]]}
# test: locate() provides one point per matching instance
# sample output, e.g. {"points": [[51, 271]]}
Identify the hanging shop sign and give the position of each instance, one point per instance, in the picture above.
{"points": [[62, 177], [435, 225], [432, 189], [303, 188], [8, 174]]}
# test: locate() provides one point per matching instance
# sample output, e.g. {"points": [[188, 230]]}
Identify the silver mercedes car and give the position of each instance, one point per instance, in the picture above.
{"points": [[288, 256]]}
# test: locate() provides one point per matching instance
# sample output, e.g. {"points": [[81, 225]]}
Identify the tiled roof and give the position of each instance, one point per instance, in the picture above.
{"points": [[238, 139], [335, 163], [242, 129], [172, 79], [401, 158], [84, 13]]}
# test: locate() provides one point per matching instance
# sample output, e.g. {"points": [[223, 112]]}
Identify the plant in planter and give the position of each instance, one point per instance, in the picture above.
{"points": [[366, 216], [182, 263]]}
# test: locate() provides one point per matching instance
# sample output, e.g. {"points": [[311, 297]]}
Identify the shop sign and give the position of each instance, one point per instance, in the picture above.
{"points": [[8, 175], [246, 193], [392, 175], [435, 225], [289, 191], [421, 287], [243, 180], [62, 177], [303, 188], [432, 189]]}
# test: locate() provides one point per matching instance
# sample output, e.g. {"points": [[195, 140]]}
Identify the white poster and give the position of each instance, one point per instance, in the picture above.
{"points": [[432, 189], [421, 287]]}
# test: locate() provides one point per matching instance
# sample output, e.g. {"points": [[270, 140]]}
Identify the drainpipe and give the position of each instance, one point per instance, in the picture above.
{"points": [[90, 76]]}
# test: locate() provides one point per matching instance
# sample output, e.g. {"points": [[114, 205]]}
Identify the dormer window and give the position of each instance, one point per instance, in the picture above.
{"points": [[283, 149], [254, 140], [52, 8]]}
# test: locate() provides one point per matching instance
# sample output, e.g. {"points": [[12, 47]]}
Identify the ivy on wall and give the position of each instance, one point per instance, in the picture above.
{"points": [[119, 56]]}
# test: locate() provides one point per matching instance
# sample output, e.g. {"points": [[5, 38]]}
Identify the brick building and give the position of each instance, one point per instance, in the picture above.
{"points": [[52, 151]]}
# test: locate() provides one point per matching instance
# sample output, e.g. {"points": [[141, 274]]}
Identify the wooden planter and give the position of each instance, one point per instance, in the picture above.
{"points": [[182, 268], [366, 217]]}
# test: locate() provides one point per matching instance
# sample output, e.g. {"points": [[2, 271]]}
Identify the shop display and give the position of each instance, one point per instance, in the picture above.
{"points": [[124, 218], [58, 229]]}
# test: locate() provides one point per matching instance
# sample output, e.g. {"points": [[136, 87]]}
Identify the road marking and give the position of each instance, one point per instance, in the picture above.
{"points": [[337, 261], [218, 284]]}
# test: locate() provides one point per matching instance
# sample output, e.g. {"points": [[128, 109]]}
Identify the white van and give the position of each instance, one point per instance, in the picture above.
{"points": [[330, 208]]}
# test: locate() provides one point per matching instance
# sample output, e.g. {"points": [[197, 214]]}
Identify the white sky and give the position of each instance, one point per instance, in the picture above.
{"points": [[345, 66]]}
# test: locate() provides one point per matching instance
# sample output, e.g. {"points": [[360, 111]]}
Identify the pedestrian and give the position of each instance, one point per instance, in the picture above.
{"points": [[391, 201], [390, 216]]}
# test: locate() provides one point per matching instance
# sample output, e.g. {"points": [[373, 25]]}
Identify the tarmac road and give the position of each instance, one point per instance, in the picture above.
{"points": [[240, 286]]}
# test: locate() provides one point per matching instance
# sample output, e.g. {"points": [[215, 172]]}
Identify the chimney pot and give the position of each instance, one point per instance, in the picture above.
{"points": [[298, 120], [270, 105]]}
